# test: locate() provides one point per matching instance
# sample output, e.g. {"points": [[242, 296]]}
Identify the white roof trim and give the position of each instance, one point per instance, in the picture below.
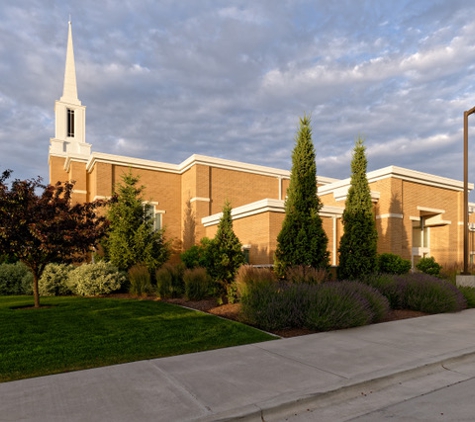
{"points": [[258, 207], [341, 194], [99, 157], [190, 162], [430, 210], [389, 215], [199, 199], [400, 173], [265, 205]]}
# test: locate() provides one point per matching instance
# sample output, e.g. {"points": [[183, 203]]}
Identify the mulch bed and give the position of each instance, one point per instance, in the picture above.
{"points": [[231, 311]]}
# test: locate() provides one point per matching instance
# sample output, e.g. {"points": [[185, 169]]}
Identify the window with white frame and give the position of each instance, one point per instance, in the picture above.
{"points": [[70, 123], [154, 215]]}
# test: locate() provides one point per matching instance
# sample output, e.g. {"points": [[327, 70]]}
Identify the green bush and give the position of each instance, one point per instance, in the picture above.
{"points": [[337, 306], [170, 282], [469, 295], [15, 279], [140, 280], [95, 279], [378, 303], [273, 305], [54, 280], [198, 283], [197, 255], [419, 292], [306, 274], [429, 266], [389, 287], [277, 305], [247, 274], [390, 263], [426, 293]]}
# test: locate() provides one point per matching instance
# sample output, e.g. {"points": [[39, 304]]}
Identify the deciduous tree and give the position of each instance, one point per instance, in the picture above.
{"points": [[46, 227]]}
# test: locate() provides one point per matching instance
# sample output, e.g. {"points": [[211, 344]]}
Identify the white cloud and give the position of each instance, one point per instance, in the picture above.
{"points": [[164, 80]]}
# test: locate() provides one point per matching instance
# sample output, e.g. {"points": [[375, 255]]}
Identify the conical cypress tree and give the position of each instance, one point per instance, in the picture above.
{"points": [[226, 249], [302, 240], [358, 245], [131, 238]]}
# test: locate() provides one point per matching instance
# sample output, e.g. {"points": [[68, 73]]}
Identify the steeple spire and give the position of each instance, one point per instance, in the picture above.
{"points": [[70, 114], [70, 91]]}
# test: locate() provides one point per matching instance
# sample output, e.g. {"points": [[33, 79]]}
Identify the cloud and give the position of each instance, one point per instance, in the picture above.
{"points": [[164, 80]]}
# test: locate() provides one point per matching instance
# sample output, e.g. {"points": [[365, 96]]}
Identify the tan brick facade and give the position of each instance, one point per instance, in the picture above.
{"points": [[416, 214], [191, 195]]}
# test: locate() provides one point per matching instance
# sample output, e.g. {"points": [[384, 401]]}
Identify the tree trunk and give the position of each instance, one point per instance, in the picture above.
{"points": [[36, 293]]}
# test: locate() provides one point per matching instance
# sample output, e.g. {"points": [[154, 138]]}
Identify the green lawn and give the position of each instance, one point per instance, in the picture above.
{"points": [[77, 333]]}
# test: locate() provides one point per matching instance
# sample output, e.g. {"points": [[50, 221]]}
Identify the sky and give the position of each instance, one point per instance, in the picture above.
{"points": [[165, 79]]}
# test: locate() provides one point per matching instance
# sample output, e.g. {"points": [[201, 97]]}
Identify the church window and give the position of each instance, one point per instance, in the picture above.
{"points": [[153, 215], [70, 123]]}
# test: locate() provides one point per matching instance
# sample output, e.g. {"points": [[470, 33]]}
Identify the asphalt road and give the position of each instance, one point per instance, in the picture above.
{"points": [[441, 396]]}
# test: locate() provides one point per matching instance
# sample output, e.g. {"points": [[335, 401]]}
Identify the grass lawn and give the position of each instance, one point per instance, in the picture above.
{"points": [[76, 333]]}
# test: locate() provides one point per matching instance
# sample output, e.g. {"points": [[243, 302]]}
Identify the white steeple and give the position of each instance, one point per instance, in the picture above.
{"points": [[70, 127], [70, 90]]}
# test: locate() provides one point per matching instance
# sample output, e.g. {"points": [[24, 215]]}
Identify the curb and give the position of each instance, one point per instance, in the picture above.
{"points": [[281, 406]]}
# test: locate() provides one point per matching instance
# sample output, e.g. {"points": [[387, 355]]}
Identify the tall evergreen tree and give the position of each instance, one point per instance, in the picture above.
{"points": [[225, 250], [131, 238], [358, 245], [302, 240]]}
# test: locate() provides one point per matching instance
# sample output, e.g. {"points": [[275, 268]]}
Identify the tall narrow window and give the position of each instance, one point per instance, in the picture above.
{"points": [[70, 123]]}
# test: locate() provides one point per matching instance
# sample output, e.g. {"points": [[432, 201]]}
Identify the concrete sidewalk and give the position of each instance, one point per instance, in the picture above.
{"points": [[258, 382]]}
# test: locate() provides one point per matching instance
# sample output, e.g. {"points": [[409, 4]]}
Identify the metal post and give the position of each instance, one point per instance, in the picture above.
{"points": [[465, 189]]}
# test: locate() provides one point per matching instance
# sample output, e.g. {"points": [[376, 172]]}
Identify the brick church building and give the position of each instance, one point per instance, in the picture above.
{"points": [[417, 214]]}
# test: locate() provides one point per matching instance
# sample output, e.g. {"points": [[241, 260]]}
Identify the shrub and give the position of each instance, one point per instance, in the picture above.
{"points": [[198, 283], [469, 295], [15, 279], [306, 274], [140, 280], [426, 293], [378, 303], [170, 281], [338, 305], [429, 266], [95, 279], [389, 287], [54, 280], [450, 270], [390, 263], [277, 305], [247, 274], [198, 255]]}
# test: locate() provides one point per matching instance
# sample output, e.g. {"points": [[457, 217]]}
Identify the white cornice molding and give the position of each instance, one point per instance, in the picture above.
{"points": [[199, 199], [192, 161], [79, 158], [265, 205], [258, 207], [100, 157], [389, 215], [232, 165], [340, 194], [398, 173]]}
